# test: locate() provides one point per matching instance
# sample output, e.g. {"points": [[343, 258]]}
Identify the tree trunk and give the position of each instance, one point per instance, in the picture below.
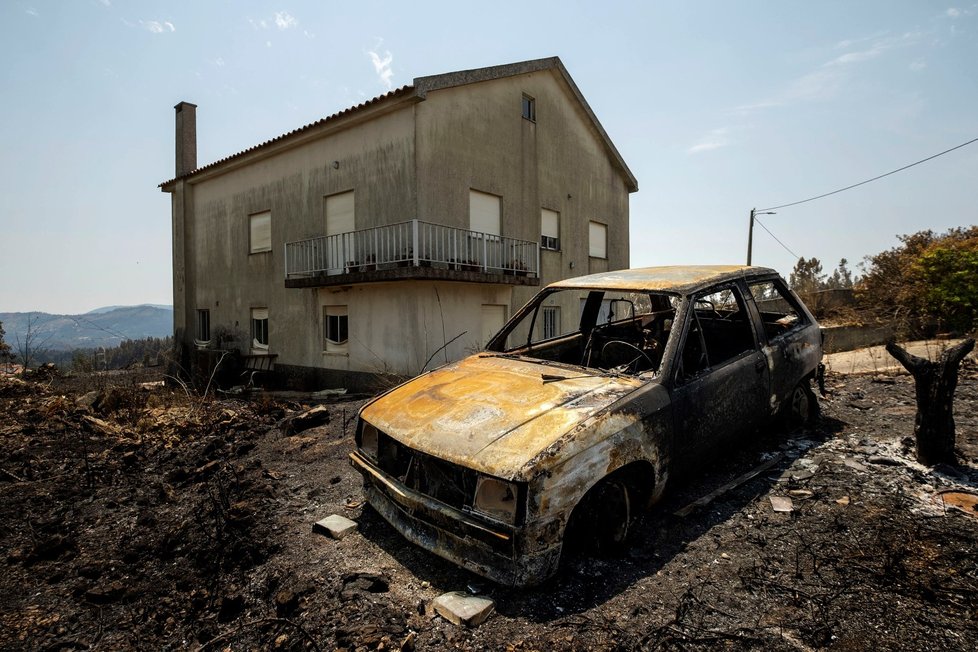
{"points": [[935, 383]]}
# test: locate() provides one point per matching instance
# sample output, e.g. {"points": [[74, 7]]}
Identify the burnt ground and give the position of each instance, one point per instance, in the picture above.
{"points": [[135, 518]]}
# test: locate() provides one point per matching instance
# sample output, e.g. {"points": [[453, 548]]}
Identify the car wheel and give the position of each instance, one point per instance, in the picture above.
{"points": [[802, 407], [601, 522]]}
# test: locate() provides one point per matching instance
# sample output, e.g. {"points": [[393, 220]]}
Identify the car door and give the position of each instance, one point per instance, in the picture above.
{"points": [[720, 380], [791, 339]]}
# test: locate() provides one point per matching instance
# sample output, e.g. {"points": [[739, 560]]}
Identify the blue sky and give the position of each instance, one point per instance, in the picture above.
{"points": [[717, 107]]}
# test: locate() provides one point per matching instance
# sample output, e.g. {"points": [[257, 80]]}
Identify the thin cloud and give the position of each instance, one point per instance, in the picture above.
{"points": [[285, 20], [826, 81], [715, 139], [879, 47], [32, 12], [158, 27], [382, 66], [953, 12], [106, 3], [918, 65]]}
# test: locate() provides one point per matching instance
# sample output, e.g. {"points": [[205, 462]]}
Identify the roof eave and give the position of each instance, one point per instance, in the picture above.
{"points": [[345, 119]]}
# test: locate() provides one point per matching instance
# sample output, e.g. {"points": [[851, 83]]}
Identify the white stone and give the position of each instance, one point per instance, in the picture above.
{"points": [[335, 526], [463, 609]]}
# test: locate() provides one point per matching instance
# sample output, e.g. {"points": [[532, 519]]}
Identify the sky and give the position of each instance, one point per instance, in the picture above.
{"points": [[717, 107]]}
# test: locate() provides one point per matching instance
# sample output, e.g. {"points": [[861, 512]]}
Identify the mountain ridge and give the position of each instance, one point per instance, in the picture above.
{"points": [[102, 327]]}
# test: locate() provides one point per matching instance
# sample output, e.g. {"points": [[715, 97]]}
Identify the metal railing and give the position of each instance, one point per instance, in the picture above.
{"points": [[411, 244]]}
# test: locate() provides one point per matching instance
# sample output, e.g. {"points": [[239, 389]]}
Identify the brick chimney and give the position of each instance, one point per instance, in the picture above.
{"points": [[186, 138]]}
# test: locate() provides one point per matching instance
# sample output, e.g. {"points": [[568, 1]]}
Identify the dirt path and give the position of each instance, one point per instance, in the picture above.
{"points": [[145, 521]]}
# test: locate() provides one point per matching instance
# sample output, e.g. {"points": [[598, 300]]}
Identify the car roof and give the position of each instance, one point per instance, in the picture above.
{"points": [[680, 279]]}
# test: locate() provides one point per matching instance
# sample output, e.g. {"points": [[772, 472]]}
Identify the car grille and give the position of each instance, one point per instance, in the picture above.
{"points": [[445, 482]]}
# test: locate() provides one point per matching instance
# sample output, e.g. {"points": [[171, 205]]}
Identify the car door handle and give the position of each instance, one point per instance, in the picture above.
{"points": [[760, 365]]}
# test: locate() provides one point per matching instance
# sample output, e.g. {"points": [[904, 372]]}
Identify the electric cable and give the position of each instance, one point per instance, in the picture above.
{"points": [[776, 238], [862, 183]]}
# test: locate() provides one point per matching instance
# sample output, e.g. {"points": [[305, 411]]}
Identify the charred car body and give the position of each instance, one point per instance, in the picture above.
{"points": [[581, 408]]}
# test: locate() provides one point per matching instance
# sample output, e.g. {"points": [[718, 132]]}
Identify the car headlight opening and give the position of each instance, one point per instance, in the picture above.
{"points": [[496, 499], [369, 440]]}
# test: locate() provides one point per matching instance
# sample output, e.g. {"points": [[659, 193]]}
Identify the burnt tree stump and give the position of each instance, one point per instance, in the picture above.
{"points": [[934, 383]]}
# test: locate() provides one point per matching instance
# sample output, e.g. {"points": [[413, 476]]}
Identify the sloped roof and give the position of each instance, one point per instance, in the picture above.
{"points": [[419, 90]]}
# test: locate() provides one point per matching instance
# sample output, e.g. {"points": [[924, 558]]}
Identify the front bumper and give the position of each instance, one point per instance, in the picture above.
{"points": [[492, 550]]}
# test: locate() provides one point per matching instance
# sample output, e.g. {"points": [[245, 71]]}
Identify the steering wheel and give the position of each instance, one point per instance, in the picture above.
{"points": [[628, 345]]}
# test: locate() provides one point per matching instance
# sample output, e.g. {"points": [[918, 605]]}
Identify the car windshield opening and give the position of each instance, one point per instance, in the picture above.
{"points": [[602, 329]]}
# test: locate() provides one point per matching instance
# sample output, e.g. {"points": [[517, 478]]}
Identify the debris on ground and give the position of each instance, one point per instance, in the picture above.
{"points": [[143, 517]]}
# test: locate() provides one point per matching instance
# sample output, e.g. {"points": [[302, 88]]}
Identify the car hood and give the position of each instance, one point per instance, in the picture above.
{"points": [[493, 413]]}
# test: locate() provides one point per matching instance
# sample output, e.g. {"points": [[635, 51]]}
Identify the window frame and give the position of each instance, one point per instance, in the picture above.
{"points": [[203, 326], [254, 226], [341, 313], [693, 327], [591, 240], [529, 108], [549, 242], [259, 327], [550, 317]]}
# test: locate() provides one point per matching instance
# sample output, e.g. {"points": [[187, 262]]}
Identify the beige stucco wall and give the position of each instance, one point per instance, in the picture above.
{"points": [[419, 159], [396, 327], [474, 137], [375, 160]]}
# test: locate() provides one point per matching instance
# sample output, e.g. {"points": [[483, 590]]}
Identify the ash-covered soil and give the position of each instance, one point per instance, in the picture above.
{"points": [[144, 518]]}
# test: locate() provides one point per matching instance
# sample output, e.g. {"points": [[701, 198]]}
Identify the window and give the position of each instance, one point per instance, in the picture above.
{"points": [[259, 329], [261, 232], [549, 229], [598, 240], [484, 212], [529, 108], [779, 309], [342, 254], [719, 330], [336, 329], [203, 326], [340, 216], [551, 322]]}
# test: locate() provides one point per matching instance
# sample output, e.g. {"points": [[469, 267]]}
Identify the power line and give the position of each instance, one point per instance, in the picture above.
{"points": [[776, 238], [862, 183]]}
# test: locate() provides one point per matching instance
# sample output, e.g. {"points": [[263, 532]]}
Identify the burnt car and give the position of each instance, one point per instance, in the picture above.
{"points": [[581, 410]]}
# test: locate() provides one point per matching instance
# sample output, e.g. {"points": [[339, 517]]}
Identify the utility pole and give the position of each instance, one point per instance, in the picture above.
{"points": [[750, 236], [750, 231]]}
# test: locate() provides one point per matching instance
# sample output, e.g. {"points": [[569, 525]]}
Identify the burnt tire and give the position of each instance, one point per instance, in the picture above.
{"points": [[601, 523], [801, 408]]}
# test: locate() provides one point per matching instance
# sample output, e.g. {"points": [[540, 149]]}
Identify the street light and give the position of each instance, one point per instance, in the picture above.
{"points": [[750, 231]]}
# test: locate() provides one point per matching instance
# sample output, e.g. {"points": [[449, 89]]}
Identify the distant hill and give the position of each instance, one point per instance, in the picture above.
{"points": [[102, 327]]}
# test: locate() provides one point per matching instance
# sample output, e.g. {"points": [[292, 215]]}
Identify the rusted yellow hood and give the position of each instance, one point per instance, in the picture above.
{"points": [[493, 414]]}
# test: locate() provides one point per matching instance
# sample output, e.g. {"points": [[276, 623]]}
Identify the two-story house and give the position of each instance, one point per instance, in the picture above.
{"points": [[400, 233]]}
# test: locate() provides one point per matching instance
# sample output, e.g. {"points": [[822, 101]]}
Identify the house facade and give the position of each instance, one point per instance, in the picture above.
{"points": [[398, 234]]}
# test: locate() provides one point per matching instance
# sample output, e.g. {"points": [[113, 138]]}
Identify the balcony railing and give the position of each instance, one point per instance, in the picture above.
{"points": [[411, 244]]}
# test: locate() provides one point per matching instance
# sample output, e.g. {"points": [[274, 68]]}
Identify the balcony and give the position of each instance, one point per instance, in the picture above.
{"points": [[411, 250]]}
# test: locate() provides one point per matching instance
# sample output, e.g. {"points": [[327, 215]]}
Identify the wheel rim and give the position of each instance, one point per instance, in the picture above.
{"points": [[800, 406]]}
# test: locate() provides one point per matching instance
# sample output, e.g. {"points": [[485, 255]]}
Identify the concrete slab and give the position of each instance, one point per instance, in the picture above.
{"points": [[335, 526], [463, 609], [875, 359]]}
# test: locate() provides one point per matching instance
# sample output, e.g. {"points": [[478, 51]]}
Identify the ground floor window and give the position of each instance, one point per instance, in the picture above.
{"points": [[203, 326], [336, 329], [259, 329], [551, 322]]}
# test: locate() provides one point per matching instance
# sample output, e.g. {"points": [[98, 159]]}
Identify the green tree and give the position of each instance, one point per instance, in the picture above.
{"points": [[807, 276], [841, 278], [929, 275]]}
